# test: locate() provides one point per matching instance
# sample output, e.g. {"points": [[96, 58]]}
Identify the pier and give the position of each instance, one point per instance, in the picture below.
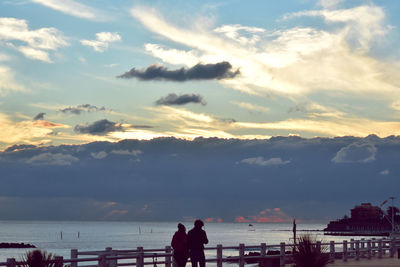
{"points": [[347, 253]]}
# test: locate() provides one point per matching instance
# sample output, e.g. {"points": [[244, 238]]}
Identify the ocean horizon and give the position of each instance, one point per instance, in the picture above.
{"points": [[59, 237]]}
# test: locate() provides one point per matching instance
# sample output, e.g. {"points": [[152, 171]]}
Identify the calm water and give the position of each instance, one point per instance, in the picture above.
{"points": [[126, 235]]}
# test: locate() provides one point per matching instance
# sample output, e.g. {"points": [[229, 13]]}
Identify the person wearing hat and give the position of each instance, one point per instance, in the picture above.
{"points": [[180, 245], [197, 238]]}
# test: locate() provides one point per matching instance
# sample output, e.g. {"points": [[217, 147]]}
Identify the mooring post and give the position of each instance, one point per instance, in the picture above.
{"points": [[263, 250], [345, 256], [282, 255], [74, 256], [140, 257], [102, 260], [357, 250], [241, 255], [11, 262], [380, 249], [219, 255], [332, 251], [168, 250], [112, 253]]}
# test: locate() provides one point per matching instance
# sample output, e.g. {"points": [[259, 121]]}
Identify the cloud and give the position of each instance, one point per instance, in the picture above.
{"points": [[384, 172], [127, 152], [19, 147], [260, 161], [38, 42], [39, 116], [82, 108], [221, 70], [52, 159], [103, 39], [356, 152], [329, 3], [251, 107], [73, 8], [99, 155], [8, 81], [275, 215], [174, 99], [99, 127], [282, 61]]}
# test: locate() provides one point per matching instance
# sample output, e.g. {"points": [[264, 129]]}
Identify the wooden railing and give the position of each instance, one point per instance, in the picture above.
{"points": [[355, 249]]}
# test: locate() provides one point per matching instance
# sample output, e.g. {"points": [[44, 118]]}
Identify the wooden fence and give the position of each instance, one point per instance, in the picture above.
{"points": [[220, 255]]}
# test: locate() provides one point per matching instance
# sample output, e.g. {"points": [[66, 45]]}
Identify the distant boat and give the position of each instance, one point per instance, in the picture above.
{"points": [[251, 227], [250, 224]]}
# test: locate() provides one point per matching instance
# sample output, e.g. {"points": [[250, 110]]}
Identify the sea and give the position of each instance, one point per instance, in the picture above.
{"points": [[59, 238]]}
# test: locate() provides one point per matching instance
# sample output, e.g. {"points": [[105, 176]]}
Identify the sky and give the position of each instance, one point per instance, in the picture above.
{"points": [[75, 73]]}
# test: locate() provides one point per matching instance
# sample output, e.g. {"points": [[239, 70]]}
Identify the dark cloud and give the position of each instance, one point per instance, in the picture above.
{"points": [[174, 99], [141, 126], [203, 178], [18, 147], [222, 70], [82, 108], [99, 127], [39, 116]]}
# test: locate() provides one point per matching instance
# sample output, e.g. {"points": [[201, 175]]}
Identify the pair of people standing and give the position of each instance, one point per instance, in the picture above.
{"points": [[191, 244]]}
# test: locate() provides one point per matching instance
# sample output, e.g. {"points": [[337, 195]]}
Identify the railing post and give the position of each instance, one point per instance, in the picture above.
{"points": [[383, 246], [332, 251], [74, 256], [345, 256], [392, 247], [168, 250], [369, 252], [357, 250], [140, 257], [219, 255], [102, 260], [59, 261], [380, 248], [241, 255], [263, 253], [11, 262], [362, 250], [373, 245], [282, 255], [351, 246], [112, 262], [318, 246]]}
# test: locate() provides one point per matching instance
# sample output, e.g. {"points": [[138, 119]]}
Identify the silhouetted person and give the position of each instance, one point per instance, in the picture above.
{"points": [[180, 245], [197, 237]]}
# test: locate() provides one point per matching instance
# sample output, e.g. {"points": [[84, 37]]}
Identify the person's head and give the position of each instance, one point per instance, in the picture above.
{"points": [[181, 227], [198, 223]]}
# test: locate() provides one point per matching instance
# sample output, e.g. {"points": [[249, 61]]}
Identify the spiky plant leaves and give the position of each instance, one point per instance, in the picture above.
{"points": [[308, 254], [38, 258]]}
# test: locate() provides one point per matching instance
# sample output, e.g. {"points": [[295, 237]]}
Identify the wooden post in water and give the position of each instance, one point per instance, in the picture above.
{"points": [[219, 255], [357, 250], [345, 256], [351, 246], [168, 260], [11, 262], [332, 251], [362, 247], [373, 245], [140, 257], [282, 254], [74, 256], [241, 255]]}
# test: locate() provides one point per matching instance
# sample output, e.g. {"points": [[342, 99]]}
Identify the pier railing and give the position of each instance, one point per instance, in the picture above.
{"points": [[265, 255]]}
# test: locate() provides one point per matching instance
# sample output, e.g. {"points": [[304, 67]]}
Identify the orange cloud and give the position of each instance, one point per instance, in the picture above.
{"points": [[47, 124], [275, 215], [208, 220]]}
